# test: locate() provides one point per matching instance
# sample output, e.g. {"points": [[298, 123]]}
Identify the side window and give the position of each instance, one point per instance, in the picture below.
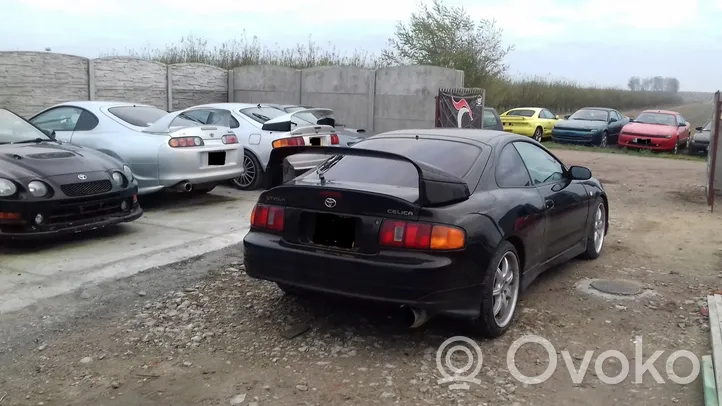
{"points": [[489, 119], [510, 170], [542, 167], [681, 120], [616, 115], [58, 119], [86, 122]]}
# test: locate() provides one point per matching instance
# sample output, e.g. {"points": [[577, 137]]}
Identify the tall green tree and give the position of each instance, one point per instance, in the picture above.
{"points": [[447, 36]]}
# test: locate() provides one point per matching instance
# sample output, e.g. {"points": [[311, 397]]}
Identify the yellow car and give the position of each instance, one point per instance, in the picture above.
{"points": [[532, 122]]}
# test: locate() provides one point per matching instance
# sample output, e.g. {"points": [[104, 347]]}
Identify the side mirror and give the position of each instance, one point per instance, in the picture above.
{"points": [[681, 124], [579, 173], [49, 133], [566, 117], [613, 120], [631, 120], [698, 129]]}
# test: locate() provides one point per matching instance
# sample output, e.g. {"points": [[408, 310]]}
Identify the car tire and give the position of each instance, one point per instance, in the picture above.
{"points": [[687, 144], [676, 146], [490, 324], [254, 176], [293, 290], [538, 134], [596, 234], [603, 140]]}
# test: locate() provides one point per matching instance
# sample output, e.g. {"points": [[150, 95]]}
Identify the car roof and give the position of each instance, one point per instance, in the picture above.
{"points": [[489, 137], [95, 104], [596, 108], [234, 106], [527, 108], [660, 111]]}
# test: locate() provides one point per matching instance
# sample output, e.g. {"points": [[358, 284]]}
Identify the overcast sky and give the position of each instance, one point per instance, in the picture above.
{"points": [[601, 42]]}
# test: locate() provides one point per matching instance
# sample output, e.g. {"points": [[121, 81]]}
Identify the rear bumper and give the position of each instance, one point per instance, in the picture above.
{"points": [[193, 165], [76, 220], [439, 284], [526, 131], [657, 144]]}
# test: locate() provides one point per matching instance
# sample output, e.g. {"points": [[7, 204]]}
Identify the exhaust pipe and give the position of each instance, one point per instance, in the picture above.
{"points": [[421, 316], [184, 187]]}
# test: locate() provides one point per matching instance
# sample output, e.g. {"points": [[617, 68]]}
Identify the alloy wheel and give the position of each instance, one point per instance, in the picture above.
{"points": [[538, 134], [506, 289], [603, 141], [249, 176], [599, 225]]}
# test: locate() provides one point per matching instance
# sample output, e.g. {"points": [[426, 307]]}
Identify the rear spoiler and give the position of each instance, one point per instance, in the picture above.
{"points": [[283, 123], [436, 187]]}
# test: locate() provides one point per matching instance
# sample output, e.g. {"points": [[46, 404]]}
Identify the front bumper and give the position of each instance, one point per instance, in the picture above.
{"points": [[439, 283], [576, 137], [651, 143], [697, 147], [68, 216]]}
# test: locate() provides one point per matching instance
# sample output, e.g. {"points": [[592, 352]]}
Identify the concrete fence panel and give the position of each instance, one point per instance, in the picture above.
{"points": [[266, 84], [194, 83], [131, 80], [32, 81], [348, 90], [404, 96]]}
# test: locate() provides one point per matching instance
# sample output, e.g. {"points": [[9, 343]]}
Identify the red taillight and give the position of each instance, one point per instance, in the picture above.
{"points": [[135, 199], [412, 235], [334, 139], [182, 142], [289, 142], [229, 139], [267, 217]]}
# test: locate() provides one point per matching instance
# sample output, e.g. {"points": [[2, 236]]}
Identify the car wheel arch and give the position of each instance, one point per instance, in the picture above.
{"points": [[255, 155], [518, 244]]}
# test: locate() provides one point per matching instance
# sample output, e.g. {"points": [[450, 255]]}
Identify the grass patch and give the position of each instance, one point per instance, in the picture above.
{"points": [[682, 155]]}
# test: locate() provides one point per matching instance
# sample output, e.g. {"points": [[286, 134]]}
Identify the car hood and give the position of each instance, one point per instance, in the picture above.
{"points": [[703, 136], [44, 160], [580, 124], [649, 129]]}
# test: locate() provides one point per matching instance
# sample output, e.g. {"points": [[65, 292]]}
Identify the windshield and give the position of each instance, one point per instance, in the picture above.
{"points": [[590, 114], [452, 157], [15, 129], [521, 113], [139, 116], [707, 127], [656, 118], [262, 114]]}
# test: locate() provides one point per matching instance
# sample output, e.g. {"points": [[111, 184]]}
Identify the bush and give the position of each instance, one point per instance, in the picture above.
{"points": [[560, 96]]}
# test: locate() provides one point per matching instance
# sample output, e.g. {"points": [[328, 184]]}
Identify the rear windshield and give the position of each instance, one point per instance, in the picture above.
{"points": [[453, 157], [139, 116], [522, 113], [262, 114]]}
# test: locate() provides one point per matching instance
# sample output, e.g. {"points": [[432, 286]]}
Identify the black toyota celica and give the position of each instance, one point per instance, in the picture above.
{"points": [[443, 221], [48, 188]]}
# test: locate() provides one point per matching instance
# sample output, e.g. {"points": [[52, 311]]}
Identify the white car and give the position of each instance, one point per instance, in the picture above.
{"points": [[262, 127], [164, 150]]}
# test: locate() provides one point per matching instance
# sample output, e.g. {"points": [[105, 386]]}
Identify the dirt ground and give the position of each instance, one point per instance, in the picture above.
{"points": [[204, 333]]}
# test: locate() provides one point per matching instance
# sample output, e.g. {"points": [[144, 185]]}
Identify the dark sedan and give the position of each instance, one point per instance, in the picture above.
{"points": [[699, 142], [597, 126], [444, 221], [48, 188]]}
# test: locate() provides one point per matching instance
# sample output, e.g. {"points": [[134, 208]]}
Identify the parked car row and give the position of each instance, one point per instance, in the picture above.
{"points": [[659, 130]]}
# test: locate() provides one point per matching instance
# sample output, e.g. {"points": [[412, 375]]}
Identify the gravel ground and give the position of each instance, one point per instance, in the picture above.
{"points": [[202, 332]]}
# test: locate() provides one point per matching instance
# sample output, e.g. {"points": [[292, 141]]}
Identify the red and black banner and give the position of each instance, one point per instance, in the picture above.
{"points": [[461, 107]]}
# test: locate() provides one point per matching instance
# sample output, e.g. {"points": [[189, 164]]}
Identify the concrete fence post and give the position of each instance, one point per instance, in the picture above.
{"points": [[231, 89], [372, 102], [300, 85], [91, 79], [169, 87]]}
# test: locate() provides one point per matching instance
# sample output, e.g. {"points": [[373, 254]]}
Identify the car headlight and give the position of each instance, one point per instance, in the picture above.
{"points": [[37, 188], [118, 178], [7, 188], [128, 172]]}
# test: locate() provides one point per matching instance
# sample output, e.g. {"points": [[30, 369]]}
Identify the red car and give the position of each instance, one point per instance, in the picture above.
{"points": [[660, 130]]}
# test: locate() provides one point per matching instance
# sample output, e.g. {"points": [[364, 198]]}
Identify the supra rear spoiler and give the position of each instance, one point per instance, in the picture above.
{"points": [[436, 187], [284, 123]]}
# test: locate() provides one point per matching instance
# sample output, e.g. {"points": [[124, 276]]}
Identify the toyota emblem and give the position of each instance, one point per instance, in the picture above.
{"points": [[330, 203], [82, 177]]}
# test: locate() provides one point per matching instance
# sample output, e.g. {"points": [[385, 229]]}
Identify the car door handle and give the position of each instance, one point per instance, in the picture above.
{"points": [[549, 204]]}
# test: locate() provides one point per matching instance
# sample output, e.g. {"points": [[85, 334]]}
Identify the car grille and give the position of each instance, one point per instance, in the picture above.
{"points": [[84, 210], [86, 188]]}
